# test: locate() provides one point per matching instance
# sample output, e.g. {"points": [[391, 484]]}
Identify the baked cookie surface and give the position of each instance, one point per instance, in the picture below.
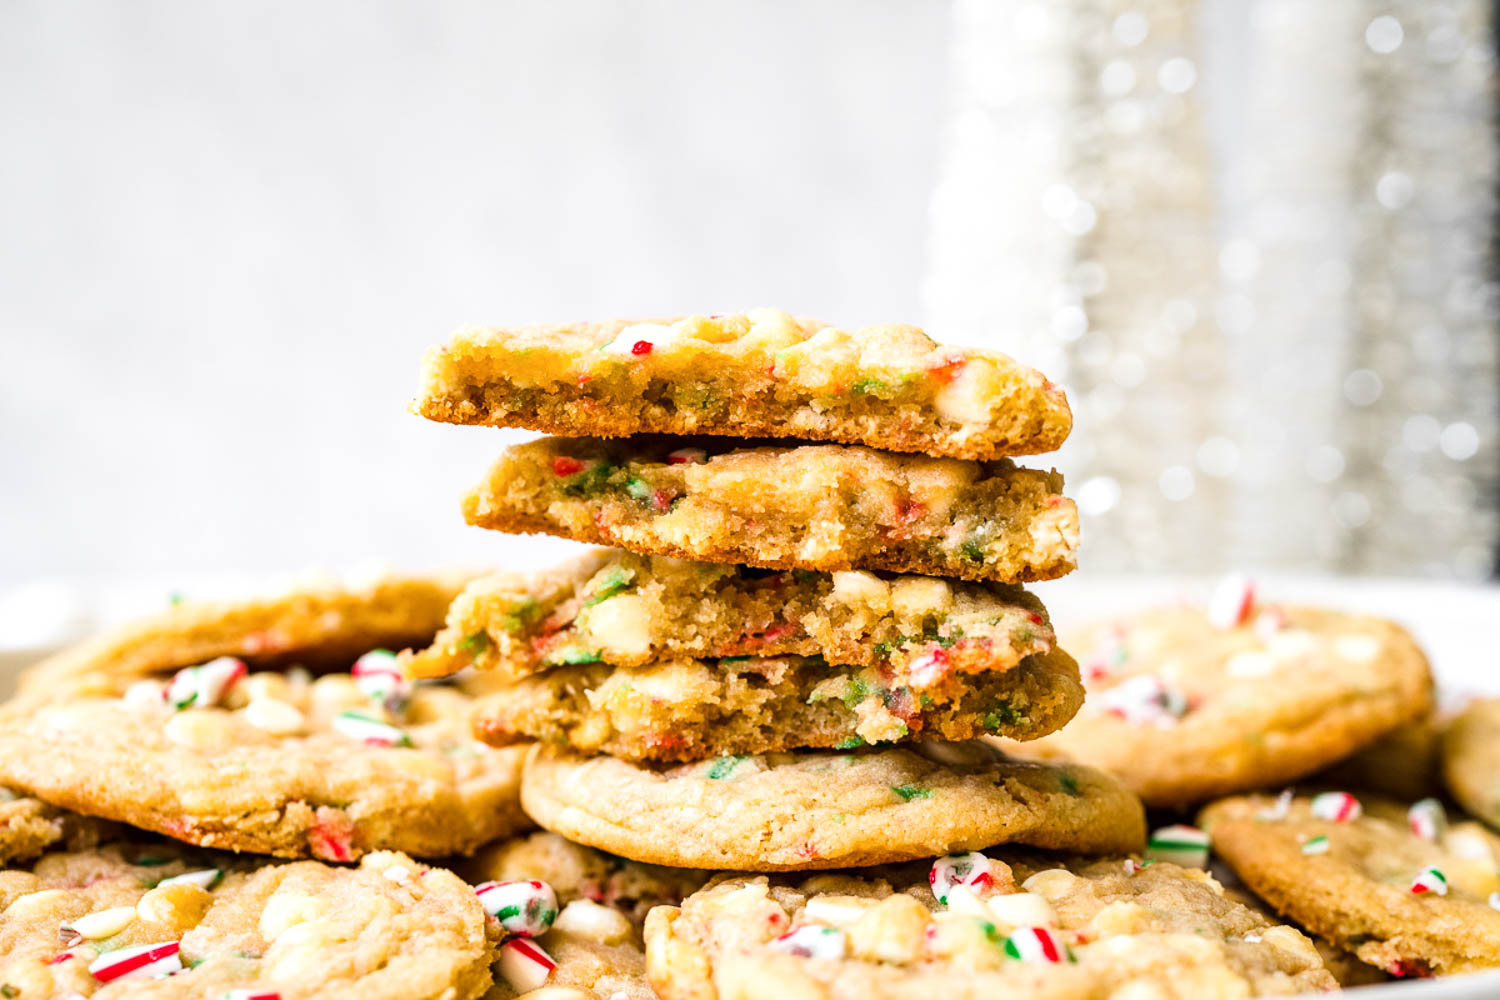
{"points": [[683, 710], [629, 610], [282, 764], [28, 826], [1184, 710], [812, 507], [602, 901], [809, 810], [317, 624], [1034, 928], [112, 921], [1402, 890], [1471, 759], [759, 373]]}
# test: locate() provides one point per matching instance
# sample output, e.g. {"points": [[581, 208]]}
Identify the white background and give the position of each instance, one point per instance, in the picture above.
{"points": [[228, 231]]}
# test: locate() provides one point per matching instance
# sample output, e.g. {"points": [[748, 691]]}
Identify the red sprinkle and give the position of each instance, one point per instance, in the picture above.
{"points": [[584, 380], [641, 347], [1036, 619], [661, 500], [562, 465]]}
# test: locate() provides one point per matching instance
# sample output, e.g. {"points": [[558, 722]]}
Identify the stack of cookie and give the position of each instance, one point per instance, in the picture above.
{"points": [[777, 666]]}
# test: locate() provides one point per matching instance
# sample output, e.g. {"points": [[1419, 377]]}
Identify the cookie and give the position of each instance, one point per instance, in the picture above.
{"points": [[683, 710], [975, 926], [157, 920], [1414, 897], [813, 507], [274, 763], [28, 826], [1184, 708], [601, 902], [1471, 759], [1406, 763], [760, 373], [629, 610], [315, 625], [785, 812]]}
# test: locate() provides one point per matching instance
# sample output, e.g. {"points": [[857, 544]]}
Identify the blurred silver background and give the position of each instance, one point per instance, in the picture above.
{"points": [[229, 231]]}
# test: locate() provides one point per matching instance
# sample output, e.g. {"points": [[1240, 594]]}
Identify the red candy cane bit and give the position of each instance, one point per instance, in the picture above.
{"points": [[584, 380], [562, 465], [662, 500], [948, 370], [909, 510], [808, 850], [1034, 618], [776, 632], [332, 835], [641, 347]]}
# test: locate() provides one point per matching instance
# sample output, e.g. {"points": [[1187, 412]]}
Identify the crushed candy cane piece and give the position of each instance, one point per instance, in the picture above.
{"points": [[1337, 807], [524, 965], [1495, 900], [1232, 601], [687, 456], [812, 941], [929, 668], [1037, 944], [1179, 844], [138, 962], [1430, 880], [378, 676], [1144, 700], [1280, 810], [371, 732], [1427, 819], [204, 686], [1132, 866], [1269, 622], [970, 870], [205, 878], [523, 908], [1316, 845], [252, 995]]}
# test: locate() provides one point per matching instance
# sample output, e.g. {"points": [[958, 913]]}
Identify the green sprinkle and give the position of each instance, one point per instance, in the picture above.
{"points": [[870, 386], [574, 657], [638, 488], [591, 480], [734, 659], [1069, 784], [909, 792], [724, 767], [522, 616], [619, 578], [1002, 715], [859, 690], [972, 551], [174, 598], [1317, 845], [475, 643], [991, 932], [851, 743], [151, 861], [7, 990]]}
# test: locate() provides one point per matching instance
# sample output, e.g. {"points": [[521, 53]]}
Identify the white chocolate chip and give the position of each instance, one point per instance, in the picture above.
{"points": [[836, 911], [965, 400], [622, 622], [862, 588], [1292, 643], [285, 910], [32, 905], [1021, 909], [267, 684], [1250, 663], [196, 728], [271, 715], [961, 899], [144, 694], [399, 874], [591, 920], [1357, 648], [103, 923], [1052, 884], [915, 596]]}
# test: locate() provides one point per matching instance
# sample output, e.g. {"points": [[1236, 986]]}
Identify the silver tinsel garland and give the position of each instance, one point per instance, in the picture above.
{"points": [[1252, 239]]}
